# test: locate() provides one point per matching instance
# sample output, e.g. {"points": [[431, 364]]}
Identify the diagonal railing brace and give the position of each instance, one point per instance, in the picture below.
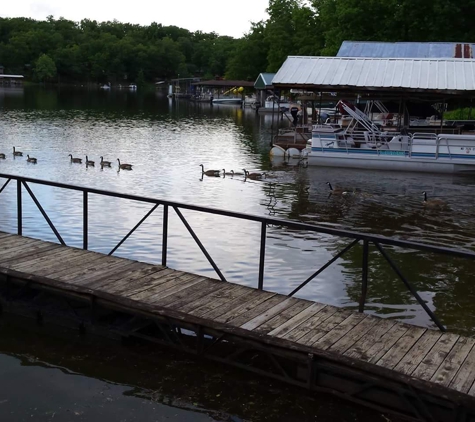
{"points": [[43, 212], [200, 245]]}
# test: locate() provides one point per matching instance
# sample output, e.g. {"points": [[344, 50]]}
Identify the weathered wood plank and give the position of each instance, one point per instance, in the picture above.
{"points": [[197, 291], [23, 252], [249, 306], [360, 350], [15, 241], [431, 362], [347, 333], [232, 304], [283, 317], [35, 258], [178, 286], [465, 376], [5, 235], [296, 320], [417, 352], [135, 278], [67, 262], [325, 327], [101, 271], [268, 314], [203, 306], [157, 283], [310, 324], [81, 275], [388, 340], [392, 357], [452, 363]]}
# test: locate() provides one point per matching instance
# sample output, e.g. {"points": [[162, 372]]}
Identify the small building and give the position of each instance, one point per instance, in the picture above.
{"points": [[8, 80], [263, 86]]}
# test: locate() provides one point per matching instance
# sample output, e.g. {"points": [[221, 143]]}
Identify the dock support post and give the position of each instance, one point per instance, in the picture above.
{"points": [[364, 277]]}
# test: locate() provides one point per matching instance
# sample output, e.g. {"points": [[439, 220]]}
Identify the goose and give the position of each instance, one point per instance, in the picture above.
{"points": [[237, 173], [214, 173], [89, 162], [31, 159], [433, 203], [337, 190], [2, 156], [105, 163], [254, 176], [75, 160], [17, 153], [124, 166], [230, 173]]}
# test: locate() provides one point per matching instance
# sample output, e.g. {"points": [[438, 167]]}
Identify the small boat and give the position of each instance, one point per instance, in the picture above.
{"points": [[132, 86], [227, 100], [367, 147]]}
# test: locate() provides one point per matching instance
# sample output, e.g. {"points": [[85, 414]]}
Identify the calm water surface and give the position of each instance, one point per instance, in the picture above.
{"points": [[167, 140]]}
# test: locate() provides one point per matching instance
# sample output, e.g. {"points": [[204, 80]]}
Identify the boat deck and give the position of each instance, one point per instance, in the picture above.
{"points": [[382, 350]]}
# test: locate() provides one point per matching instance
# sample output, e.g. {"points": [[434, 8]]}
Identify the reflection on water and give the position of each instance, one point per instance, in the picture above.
{"points": [[50, 375], [166, 141]]}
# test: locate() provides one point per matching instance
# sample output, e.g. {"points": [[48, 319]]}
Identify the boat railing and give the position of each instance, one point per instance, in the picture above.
{"points": [[450, 142]]}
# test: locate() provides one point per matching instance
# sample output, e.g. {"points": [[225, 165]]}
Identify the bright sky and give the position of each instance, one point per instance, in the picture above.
{"points": [[223, 17]]}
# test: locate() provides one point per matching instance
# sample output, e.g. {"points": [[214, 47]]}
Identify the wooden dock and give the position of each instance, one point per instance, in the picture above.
{"points": [[418, 373]]}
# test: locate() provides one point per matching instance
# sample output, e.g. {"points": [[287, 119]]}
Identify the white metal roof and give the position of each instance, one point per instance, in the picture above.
{"points": [[10, 76], [452, 76]]}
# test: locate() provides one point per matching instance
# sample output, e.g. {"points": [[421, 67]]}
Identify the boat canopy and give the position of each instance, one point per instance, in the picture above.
{"points": [[431, 77]]}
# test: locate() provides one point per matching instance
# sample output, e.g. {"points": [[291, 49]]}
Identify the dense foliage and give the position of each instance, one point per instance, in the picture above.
{"points": [[90, 51]]}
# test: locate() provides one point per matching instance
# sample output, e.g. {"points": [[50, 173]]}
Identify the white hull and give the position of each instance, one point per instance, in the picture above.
{"points": [[390, 163], [227, 101]]}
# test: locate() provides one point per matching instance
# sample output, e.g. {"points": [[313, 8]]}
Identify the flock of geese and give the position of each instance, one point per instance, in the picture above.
{"points": [[102, 163], [246, 174], [77, 160], [337, 191], [429, 203]]}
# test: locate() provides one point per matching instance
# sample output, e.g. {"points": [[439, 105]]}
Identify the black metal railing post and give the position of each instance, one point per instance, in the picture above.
{"points": [[19, 208], [262, 256], [364, 276], [85, 219], [165, 235]]}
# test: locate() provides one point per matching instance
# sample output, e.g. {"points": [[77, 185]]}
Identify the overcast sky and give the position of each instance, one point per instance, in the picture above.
{"points": [[223, 17]]}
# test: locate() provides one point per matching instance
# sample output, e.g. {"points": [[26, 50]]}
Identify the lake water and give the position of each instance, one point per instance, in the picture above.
{"points": [[167, 140]]}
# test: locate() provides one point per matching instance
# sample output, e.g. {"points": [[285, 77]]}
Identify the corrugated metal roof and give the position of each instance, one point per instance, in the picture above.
{"points": [[366, 74], [414, 50]]}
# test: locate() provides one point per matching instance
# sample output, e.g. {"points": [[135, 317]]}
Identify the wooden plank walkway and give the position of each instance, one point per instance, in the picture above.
{"points": [[443, 359]]}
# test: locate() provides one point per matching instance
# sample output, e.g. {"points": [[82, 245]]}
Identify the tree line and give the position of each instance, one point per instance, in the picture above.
{"points": [[99, 52]]}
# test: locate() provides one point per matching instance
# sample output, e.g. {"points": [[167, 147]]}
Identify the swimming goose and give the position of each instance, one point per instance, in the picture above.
{"points": [[214, 173], [89, 162], [337, 190], [105, 163], [433, 203], [31, 159], [124, 166], [254, 176], [75, 160], [229, 173], [2, 156], [17, 153]]}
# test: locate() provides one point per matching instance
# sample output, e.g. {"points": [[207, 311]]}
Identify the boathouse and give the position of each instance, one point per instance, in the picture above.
{"points": [[400, 80], [7, 80]]}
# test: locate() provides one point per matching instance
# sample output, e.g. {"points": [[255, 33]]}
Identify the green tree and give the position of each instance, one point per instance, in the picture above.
{"points": [[45, 68]]}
